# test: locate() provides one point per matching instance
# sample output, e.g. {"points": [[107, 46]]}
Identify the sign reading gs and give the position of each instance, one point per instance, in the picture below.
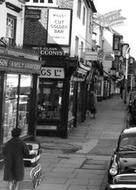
{"points": [[52, 72]]}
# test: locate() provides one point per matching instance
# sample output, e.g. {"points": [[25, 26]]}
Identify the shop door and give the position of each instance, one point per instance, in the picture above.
{"points": [[49, 104]]}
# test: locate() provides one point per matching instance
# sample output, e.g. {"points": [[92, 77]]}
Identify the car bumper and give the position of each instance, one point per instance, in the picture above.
{"points": [[122, 186]]}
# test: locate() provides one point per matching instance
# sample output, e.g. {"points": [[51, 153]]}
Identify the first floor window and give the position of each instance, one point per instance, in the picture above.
{"points": [[11, 29]]}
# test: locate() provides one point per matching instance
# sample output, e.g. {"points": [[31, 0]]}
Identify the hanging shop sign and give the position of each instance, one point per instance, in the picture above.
{"points": [[59, 26], [19, 65], [91, 55], [108, 57], [52, 72]]}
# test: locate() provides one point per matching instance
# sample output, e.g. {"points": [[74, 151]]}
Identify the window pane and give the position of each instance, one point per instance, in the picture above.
{"points": [[10, 104], [49, 100], [24, 103], [11, 29]]}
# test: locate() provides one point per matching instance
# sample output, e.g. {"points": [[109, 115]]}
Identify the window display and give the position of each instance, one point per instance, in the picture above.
{"points": [[24, 102], [49, 100], [71, 106], [17, 91]]}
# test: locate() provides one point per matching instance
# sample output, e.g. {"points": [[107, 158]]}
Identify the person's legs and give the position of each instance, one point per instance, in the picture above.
{"points": [[16, 185], [10, 185]]}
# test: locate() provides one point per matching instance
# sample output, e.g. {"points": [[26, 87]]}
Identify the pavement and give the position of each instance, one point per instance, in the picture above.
{"points": [[80, 162]]}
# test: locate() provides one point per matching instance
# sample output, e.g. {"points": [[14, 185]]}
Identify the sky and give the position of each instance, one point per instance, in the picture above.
{"points": [[128, 28]]}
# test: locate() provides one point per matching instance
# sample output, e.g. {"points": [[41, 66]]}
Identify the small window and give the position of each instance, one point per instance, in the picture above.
{"points": [[84, 16], [35, 1], [11, 29], [79, 9]]}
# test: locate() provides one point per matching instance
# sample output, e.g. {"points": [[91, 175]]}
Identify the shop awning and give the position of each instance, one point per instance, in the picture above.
{"points": [[81, 72]]}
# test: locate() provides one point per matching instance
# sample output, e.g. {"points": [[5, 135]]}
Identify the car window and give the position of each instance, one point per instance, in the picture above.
{"points": [[128, 143]]}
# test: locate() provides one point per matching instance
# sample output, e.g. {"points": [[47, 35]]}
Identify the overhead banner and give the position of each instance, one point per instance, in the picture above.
{"points": [[113, 18], [59, 25]]}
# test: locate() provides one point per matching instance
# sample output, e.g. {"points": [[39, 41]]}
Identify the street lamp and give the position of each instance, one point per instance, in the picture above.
{"points": [[125, 52]]}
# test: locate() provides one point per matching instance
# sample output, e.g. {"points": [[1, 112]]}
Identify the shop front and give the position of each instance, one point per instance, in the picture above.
{"points": [[18, 89], [55, 96], [78, 79]]}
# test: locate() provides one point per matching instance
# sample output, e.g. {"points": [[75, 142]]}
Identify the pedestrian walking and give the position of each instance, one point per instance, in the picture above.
{"points": [[91, 103], [14, 151]]}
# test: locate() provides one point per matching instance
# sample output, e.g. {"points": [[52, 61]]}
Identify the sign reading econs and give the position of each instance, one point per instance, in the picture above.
{"points": [[59, 21]]}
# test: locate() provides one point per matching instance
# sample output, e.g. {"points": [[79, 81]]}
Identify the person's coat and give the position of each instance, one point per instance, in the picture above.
{"points": [[14, 152]]}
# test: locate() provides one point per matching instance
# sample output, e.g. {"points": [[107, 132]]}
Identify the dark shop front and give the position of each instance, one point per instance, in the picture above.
{"points": [[55, 94], [18, 89]]}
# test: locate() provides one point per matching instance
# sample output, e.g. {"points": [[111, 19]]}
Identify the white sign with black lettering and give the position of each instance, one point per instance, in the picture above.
{"points": [[52, 72], [59, 21]]}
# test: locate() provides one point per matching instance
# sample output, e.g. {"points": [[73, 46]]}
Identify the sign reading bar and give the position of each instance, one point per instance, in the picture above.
{"points": [[52, 72], [59, 21]]}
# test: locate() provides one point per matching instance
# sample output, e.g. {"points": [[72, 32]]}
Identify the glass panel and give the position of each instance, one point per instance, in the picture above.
{"points": [[24, 99], [71, 101], [10, 105], [49, 100]]}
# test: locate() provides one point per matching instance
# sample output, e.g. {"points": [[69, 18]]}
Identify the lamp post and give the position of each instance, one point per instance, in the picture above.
{"points": [[125, 53]]}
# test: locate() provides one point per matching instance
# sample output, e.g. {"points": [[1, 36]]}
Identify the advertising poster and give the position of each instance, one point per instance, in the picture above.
{"points": [[59, 21]]}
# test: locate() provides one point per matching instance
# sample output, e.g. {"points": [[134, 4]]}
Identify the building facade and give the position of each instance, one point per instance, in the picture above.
{"points": [[19, 70], [50, 28]]}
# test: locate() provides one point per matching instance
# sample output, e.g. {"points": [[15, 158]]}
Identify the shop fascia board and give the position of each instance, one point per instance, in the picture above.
{"points": [[28, 54]]}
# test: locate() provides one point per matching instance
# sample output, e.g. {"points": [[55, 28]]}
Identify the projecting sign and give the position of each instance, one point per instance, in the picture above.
{"points": [[59, 21], [52, 72], [90, 55]]}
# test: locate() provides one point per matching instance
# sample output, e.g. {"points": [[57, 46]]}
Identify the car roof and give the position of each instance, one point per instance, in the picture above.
{"points": [[131, 130]]}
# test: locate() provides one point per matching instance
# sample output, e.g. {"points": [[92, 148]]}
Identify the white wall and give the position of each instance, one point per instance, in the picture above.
{"points": [[78, 29], [108, 36], [20, 20]]}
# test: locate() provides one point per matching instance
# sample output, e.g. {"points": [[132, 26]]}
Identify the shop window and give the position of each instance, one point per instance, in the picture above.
{"points": [[71, 106], [11, 29], [24, 102], [79, 100], [16, 103], [49, 100]]}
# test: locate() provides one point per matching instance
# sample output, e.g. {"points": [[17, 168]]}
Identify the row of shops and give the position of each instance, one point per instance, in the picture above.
{"points": [[47, 95], [64, 84]]}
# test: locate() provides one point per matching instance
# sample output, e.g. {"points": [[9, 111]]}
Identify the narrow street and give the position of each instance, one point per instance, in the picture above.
{"points": [[80, 162]]}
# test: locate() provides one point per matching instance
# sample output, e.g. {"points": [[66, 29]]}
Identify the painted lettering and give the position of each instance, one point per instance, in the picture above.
{"points": [[46, 72], [3, 62], [57, 72]]}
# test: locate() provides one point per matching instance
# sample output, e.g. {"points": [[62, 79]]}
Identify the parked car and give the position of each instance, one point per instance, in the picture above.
{"points": [[122, 167]]}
